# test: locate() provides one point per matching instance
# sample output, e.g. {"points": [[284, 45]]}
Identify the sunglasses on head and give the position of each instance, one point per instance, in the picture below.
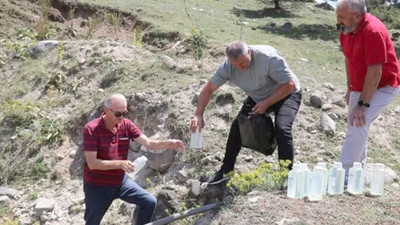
{"points": [[119, 114]]}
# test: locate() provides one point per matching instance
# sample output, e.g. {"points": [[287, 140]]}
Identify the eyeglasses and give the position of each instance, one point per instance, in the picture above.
{"points": [[119, 114]]}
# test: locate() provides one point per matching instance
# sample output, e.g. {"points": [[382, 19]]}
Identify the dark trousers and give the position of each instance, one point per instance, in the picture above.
{"points": [[285, 112], [99, 198]]}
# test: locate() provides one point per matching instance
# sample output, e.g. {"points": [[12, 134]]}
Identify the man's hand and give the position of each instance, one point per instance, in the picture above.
{"points": [[176, 144], [357, 116], [197, 121], [127, 166], [260, 108]]}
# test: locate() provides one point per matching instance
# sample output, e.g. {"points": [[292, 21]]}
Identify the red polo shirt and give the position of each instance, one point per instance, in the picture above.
{"points": [[370, 45], [109, 146]]}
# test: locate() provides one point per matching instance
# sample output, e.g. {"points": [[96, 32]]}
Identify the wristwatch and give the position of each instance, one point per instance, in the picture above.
{"points": [[363, 104]]}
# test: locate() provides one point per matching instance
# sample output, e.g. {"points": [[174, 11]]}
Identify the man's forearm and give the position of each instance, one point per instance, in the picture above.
{"points": [[204, 99], [371, 82], [281, 92]]}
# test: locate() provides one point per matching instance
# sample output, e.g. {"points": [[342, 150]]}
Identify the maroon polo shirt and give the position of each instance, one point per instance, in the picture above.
{"points": [[370, 45], [109, 146]]}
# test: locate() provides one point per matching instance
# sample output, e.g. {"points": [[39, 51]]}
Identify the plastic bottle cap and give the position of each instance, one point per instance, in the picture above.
{"points": [[337, 165], [357, 165], [321, 164], [379, 166]]}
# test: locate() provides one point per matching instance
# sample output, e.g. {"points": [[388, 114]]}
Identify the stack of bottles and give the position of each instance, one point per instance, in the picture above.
{"points": [[314, 184]]}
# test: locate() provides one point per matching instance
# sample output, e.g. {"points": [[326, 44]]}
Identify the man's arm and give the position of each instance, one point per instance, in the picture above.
{"points": [[371, 82], [160, 144], [204, 99], [98, 164], [280, 92]]}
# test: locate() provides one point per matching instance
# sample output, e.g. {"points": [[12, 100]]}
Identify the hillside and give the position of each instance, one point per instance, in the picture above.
{"points": [[147, 51]]}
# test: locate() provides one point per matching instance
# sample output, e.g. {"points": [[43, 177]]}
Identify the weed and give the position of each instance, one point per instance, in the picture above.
{"points": [[197, 42], [60, 52], [137, 37], [76, 83], [265, 177], [43, 25], [33, 195], [93, 25], [18, 113], [115, 20], [71, 13]]}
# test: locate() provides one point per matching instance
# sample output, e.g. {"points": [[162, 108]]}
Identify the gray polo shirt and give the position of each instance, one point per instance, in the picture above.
{"points": [[267, 71]]}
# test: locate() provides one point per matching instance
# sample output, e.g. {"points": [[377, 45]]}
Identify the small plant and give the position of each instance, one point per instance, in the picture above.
{"points": [[93, 25], [115, 20], [265, 177], [18, 113], [52, 132], [43, 25], [197, 42], [71, 13], [76, 83], [60, 52], [137, 37], [33, 195]]}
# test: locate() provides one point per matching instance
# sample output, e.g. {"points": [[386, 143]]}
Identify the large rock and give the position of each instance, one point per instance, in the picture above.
{"points": [[328, 126], [316, 99], [160, 160], [42, 46], [10, 192], [44, 205]]}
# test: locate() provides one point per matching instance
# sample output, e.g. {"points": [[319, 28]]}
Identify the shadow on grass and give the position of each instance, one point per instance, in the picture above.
{"points": [[254, 14], [312, 31]]}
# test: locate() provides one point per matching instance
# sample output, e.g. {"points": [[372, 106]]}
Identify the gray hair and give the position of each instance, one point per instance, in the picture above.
{"points": [[112, 98], [353, 5], [235, 49]]}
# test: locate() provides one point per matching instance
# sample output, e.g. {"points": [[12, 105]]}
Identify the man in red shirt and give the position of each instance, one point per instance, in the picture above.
{"points": [[106, 145], [372, 74]]}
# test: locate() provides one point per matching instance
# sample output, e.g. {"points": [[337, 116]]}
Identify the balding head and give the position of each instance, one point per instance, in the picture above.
{"points": [[354, 6], [115, 100], [235, 49]]}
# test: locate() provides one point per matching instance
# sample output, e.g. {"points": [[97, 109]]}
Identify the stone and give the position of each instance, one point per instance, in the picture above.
{"points": [[160, 160], [326, 107], [328, 126], [10, 192], [44, 205], [316, 99], [5, 200], [195, 188], [41, 47]]}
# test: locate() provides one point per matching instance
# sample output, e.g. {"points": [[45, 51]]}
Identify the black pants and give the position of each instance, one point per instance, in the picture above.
{"points": [[285, 112]]}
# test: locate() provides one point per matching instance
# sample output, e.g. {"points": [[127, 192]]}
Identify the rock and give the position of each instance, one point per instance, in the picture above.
{"points": [[195, 188], [181, 176], [326, 107], [72, 154], [44, 205], [41, 47], [328, 126], [316, 99], [338, 100], [160, 160], [169, 198], [4, 200], [395, 185], [325, 6], [287, 26], [10, 192], [271, 24], [292, 221], [329, 86]]}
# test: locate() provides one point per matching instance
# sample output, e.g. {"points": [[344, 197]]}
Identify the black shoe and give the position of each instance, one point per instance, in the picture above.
{"points": [[218, 177]]}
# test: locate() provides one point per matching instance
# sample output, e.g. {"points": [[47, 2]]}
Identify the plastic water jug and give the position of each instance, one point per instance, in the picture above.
{"points": [[301, 190], [196, 139], [139, 164], [356, 180], [316, 183], [336, 179], [293, 179], [322, 166], [377, 179]]}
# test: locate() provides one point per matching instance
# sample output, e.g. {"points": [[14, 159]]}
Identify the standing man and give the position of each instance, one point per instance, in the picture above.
{"points": [[372, 74], [106, 145], [262, 73]]}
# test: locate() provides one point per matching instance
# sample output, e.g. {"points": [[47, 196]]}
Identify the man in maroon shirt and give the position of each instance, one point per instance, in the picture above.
{"points": [[106, 145], [372, 74]]}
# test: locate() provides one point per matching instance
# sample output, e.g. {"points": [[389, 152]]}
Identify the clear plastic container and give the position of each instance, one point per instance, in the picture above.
{"points": [[356, 180], [316, 184], [196, 139], [377, 179], [293, 179], [336, 179], [303, 176], [322, 165], [139, 164]]}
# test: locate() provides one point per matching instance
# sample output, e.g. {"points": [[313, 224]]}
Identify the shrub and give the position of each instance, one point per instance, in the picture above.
{"points": [[390, 16], [197, 42], [265, 177]]}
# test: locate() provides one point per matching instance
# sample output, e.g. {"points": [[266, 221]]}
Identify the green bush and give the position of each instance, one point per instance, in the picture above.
{"points": [[265, 177], [18, 113], [390, 16], [197, 42]]}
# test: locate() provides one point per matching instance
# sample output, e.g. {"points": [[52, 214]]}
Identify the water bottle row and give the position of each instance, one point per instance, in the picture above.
{"points": [[314, 184]]}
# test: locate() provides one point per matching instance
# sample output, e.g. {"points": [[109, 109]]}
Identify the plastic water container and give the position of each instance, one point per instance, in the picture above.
{"points": [[196, 139], [377, 179], [316, 184], [301, 190], [293, 178], [356, 180], [336, 179], [322, 166], [139, 164]]}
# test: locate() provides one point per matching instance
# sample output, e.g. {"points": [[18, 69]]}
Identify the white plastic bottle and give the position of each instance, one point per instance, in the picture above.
{"points": [[196, 139], [322, 166], [293, 178], [301, 190], [139, 164], [356, 180], [336, 179], [377, 179], [315, 187]]}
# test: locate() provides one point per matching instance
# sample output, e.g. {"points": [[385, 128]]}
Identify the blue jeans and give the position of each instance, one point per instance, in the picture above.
{"points": [[285, 112], [99, 198]]}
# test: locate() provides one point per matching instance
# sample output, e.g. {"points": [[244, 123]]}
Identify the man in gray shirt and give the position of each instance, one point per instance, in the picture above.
{"points": [[262, 73]]}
